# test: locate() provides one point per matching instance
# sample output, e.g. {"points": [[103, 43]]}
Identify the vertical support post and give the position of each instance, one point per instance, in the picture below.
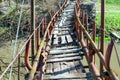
{"points": [[45, 23], [81, 33], [83, 17], [94, 30], [33, 28], [38, 38], [47, 36], [86, 23], [19, 67], [56, 17], [102, 32], [43, 27], [78, 30], [94, 35]]}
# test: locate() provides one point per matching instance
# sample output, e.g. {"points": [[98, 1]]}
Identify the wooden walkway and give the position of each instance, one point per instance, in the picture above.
{"points": [[65, 59]]}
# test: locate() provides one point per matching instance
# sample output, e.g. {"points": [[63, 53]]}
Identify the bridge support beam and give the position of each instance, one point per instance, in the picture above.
{"points": [[102, 32], [33, 44]]}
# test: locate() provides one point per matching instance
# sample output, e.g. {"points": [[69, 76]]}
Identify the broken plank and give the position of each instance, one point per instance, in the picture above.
{"points": [[56, 67], [72, 68], [69, 38], [49, 68], [64, 68]]}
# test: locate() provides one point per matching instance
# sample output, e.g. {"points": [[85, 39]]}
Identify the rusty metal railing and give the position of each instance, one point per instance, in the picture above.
{"points": [[89, 47], [43, 30], [45, 39]]}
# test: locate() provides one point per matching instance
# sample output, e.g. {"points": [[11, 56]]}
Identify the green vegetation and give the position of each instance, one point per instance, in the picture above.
{"points": [[112, 21], [113, 2], [116, 2], [112, 15], [106, 38], [2, 29]]}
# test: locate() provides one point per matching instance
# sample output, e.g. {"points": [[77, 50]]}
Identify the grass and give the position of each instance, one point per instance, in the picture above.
{"points": [[116, 2], [105, 39], [3, 29], [112, 15], [112, 21], [6, 52]]}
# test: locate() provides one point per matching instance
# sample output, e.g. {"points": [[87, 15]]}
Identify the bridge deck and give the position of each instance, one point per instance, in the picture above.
{"points": [[65, 58]]}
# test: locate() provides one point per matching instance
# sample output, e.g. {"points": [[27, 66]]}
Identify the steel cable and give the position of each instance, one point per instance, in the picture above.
{"points": [[20, 52], [16, 39]]}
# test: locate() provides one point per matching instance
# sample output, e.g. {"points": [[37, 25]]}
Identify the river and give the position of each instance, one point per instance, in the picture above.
{"points": [[114, 61]]}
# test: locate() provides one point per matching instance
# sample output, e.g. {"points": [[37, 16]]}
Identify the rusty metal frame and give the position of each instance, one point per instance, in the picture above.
{"points": [[36, 60], [104, 61]]}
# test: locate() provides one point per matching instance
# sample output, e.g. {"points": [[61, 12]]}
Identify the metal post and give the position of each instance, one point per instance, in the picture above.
{"points": [[19, 67], [94, 35], [38, 38], [33, 28], [86, 22], [81, 32], [102, 32]]}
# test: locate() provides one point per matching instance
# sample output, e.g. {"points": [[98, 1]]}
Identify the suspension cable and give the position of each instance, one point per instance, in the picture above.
{"points": [[16, 39]]}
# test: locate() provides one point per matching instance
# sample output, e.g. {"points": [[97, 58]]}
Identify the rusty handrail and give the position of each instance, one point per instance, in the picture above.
{"points": [[36, 60], [102, 58]]}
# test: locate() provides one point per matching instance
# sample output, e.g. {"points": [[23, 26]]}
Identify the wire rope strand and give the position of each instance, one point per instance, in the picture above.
{"points": [[16, 39]]}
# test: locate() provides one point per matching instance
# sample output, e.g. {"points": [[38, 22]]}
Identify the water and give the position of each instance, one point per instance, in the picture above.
{"points": [[114, 61]]}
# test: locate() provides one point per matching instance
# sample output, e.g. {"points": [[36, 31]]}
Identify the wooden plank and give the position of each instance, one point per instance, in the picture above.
{"points": [[63, 29], [78, 68], [71, 67], [68, 44], [66, 33], [68, 10], [55, 32], [67, 25], [63, 40], [65, 47], [55, 41], [69, 38], [64, 59], [64, 68], [56, 67], [65, 51], [49, 68], [64, 55], [79, 76]]}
